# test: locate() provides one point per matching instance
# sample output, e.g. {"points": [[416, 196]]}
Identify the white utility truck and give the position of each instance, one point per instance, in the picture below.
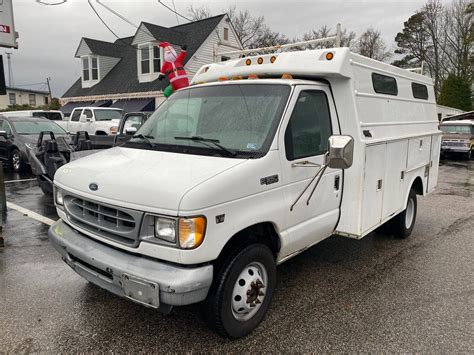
{"points": [[259, 159]]}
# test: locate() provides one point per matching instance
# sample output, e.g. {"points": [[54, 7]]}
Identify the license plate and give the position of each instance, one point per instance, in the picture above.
{"points": [[141, 291]]}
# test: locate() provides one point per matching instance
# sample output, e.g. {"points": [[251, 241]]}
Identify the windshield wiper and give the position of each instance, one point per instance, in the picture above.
{"points": [[203, 140], [146, 139]]}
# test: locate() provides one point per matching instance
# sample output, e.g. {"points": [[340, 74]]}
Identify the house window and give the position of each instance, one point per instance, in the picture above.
{"points": [[32, 99], [384, 84], [145, 60], [156, 59], [94, 68], [226, 34], [419, 91], [12, 98], [85, 69]]}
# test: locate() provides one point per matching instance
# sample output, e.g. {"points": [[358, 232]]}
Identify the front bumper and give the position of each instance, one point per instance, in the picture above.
{"points": [[106, 267]]}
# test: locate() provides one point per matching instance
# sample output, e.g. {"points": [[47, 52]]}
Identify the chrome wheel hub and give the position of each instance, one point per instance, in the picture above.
{"points": [[16, 160], [249, 291]]}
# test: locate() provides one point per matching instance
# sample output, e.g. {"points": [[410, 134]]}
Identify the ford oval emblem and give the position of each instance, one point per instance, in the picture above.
{"points": [[93, 186]]}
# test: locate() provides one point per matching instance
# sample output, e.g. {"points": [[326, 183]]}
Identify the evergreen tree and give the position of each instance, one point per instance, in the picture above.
{"points": [[456, 92]]}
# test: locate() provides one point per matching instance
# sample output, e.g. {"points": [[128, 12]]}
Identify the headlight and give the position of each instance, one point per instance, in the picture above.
{"points": [[165, 228], [191, 232], [113, 129], [58, 196]]}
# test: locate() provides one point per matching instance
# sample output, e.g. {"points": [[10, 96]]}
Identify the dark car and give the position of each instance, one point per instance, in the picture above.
{"points": [[18, 134]]}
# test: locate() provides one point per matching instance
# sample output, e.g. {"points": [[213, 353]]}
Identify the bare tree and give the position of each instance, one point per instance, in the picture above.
{"points": [[269, 38], [371, 44], [199, 13], [458, 40], [347, 37], [248, 28]]}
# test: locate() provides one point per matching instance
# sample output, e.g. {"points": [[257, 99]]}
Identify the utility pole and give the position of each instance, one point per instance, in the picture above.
{"points": [[10, 71], [49, 89]]}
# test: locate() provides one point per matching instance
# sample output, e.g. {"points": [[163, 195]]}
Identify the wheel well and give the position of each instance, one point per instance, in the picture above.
{"points": [[418, 186], [263, 233], [100, 133]]}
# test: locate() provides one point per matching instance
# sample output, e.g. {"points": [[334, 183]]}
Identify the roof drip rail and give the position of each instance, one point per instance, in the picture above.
{"points": [[336, 39]]}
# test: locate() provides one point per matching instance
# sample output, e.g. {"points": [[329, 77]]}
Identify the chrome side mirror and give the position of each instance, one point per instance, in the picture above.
{"points": [[130, 131], [341, 152]]}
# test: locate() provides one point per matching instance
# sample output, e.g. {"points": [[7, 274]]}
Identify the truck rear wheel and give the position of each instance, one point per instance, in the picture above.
{"points": [[403, 224], [242, 292]]}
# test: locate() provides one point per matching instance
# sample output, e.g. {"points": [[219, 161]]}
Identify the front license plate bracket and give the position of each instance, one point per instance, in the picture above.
{"points": [[141, 291]]}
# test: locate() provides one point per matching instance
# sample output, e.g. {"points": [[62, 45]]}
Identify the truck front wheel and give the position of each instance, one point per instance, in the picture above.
{"points": [[403, 223], [242, 291]]}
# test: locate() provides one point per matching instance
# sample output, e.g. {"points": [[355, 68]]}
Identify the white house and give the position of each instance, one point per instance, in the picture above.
{"points": [[125, 73], [17, 96]]}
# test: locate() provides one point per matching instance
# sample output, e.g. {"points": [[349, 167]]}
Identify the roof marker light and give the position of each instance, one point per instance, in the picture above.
{"points": [[287, 76], [237, 77], [223, 78], [260, 60], [248, 61], [252, 76], [272, 59], [329, 55]]}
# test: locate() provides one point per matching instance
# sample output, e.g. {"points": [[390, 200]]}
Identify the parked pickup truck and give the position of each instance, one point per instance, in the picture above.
{"points": [[94, 120], [261, 158], [458, 137]]}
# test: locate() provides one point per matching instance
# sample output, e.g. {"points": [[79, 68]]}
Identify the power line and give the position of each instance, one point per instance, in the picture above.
{"points": [[176, 12], [174, 7], [107, 26], [51, 4], [117, 14]]}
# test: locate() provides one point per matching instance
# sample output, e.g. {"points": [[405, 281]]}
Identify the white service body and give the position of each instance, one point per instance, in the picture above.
{"points": [[396, 148]]}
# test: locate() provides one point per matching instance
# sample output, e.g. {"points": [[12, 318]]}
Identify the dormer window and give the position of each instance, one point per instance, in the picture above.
{"points": [[149, 62], [90, 70], [226, 34]]}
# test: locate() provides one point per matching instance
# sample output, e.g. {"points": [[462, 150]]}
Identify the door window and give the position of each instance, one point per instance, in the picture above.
{"points": [[4, 126], [76, 115], [88, 113], [309, 128]]}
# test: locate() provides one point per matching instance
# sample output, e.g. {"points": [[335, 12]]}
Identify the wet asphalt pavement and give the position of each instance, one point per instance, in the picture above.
{"points": [[376, 294]]}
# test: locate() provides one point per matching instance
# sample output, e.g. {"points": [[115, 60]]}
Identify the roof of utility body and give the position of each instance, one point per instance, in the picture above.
{"points": [[267, 81], [303, 64], [458, 123]]}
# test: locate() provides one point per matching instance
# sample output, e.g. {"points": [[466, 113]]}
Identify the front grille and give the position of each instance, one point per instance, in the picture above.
{"points": [[115, 223], [454, 143]]}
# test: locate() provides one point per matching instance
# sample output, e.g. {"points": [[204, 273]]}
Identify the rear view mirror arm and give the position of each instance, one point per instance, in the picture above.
{"points": [[319, 173]]}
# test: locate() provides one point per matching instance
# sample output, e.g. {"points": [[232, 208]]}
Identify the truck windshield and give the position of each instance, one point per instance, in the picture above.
{"points": [[240, 119], [459, 129], [108, 115], [36, 127]]}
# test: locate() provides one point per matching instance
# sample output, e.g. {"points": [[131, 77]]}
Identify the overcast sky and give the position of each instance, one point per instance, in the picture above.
{"points": [[49, 35]]}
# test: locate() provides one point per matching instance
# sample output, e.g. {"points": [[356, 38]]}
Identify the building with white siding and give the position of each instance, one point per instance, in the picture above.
{"points": [[125, 73], [18, 96]]}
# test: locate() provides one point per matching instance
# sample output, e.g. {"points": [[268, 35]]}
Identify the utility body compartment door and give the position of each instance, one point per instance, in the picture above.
{"points": [[303, 136]]}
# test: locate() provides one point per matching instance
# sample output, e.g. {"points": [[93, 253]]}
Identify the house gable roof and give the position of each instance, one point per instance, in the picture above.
{"points": [[123, 78]]}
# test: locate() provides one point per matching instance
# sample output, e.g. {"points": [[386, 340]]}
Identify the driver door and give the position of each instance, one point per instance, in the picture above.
{"points": [[304, 139]]}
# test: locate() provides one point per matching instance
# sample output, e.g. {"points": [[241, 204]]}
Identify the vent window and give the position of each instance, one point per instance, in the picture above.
{"points": [[419, 91]]}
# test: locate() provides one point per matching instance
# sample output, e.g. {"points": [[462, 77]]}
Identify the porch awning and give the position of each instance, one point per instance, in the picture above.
{"points": [[135, 105], [102, 103]]}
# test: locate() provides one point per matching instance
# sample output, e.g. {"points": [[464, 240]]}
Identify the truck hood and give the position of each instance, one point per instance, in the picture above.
{"points": [[147, 180]]}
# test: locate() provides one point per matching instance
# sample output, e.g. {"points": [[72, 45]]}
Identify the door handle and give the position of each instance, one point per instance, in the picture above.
{"points": [[337, 182], [305, 164]]}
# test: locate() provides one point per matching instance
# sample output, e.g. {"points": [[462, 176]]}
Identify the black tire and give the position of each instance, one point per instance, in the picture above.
{"points": [[469, 155], [45, 186], [404, 222], [219, 305], [16, 161]]}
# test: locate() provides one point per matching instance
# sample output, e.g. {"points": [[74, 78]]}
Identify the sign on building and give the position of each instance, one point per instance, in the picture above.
{"points": [[7, 25]]}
